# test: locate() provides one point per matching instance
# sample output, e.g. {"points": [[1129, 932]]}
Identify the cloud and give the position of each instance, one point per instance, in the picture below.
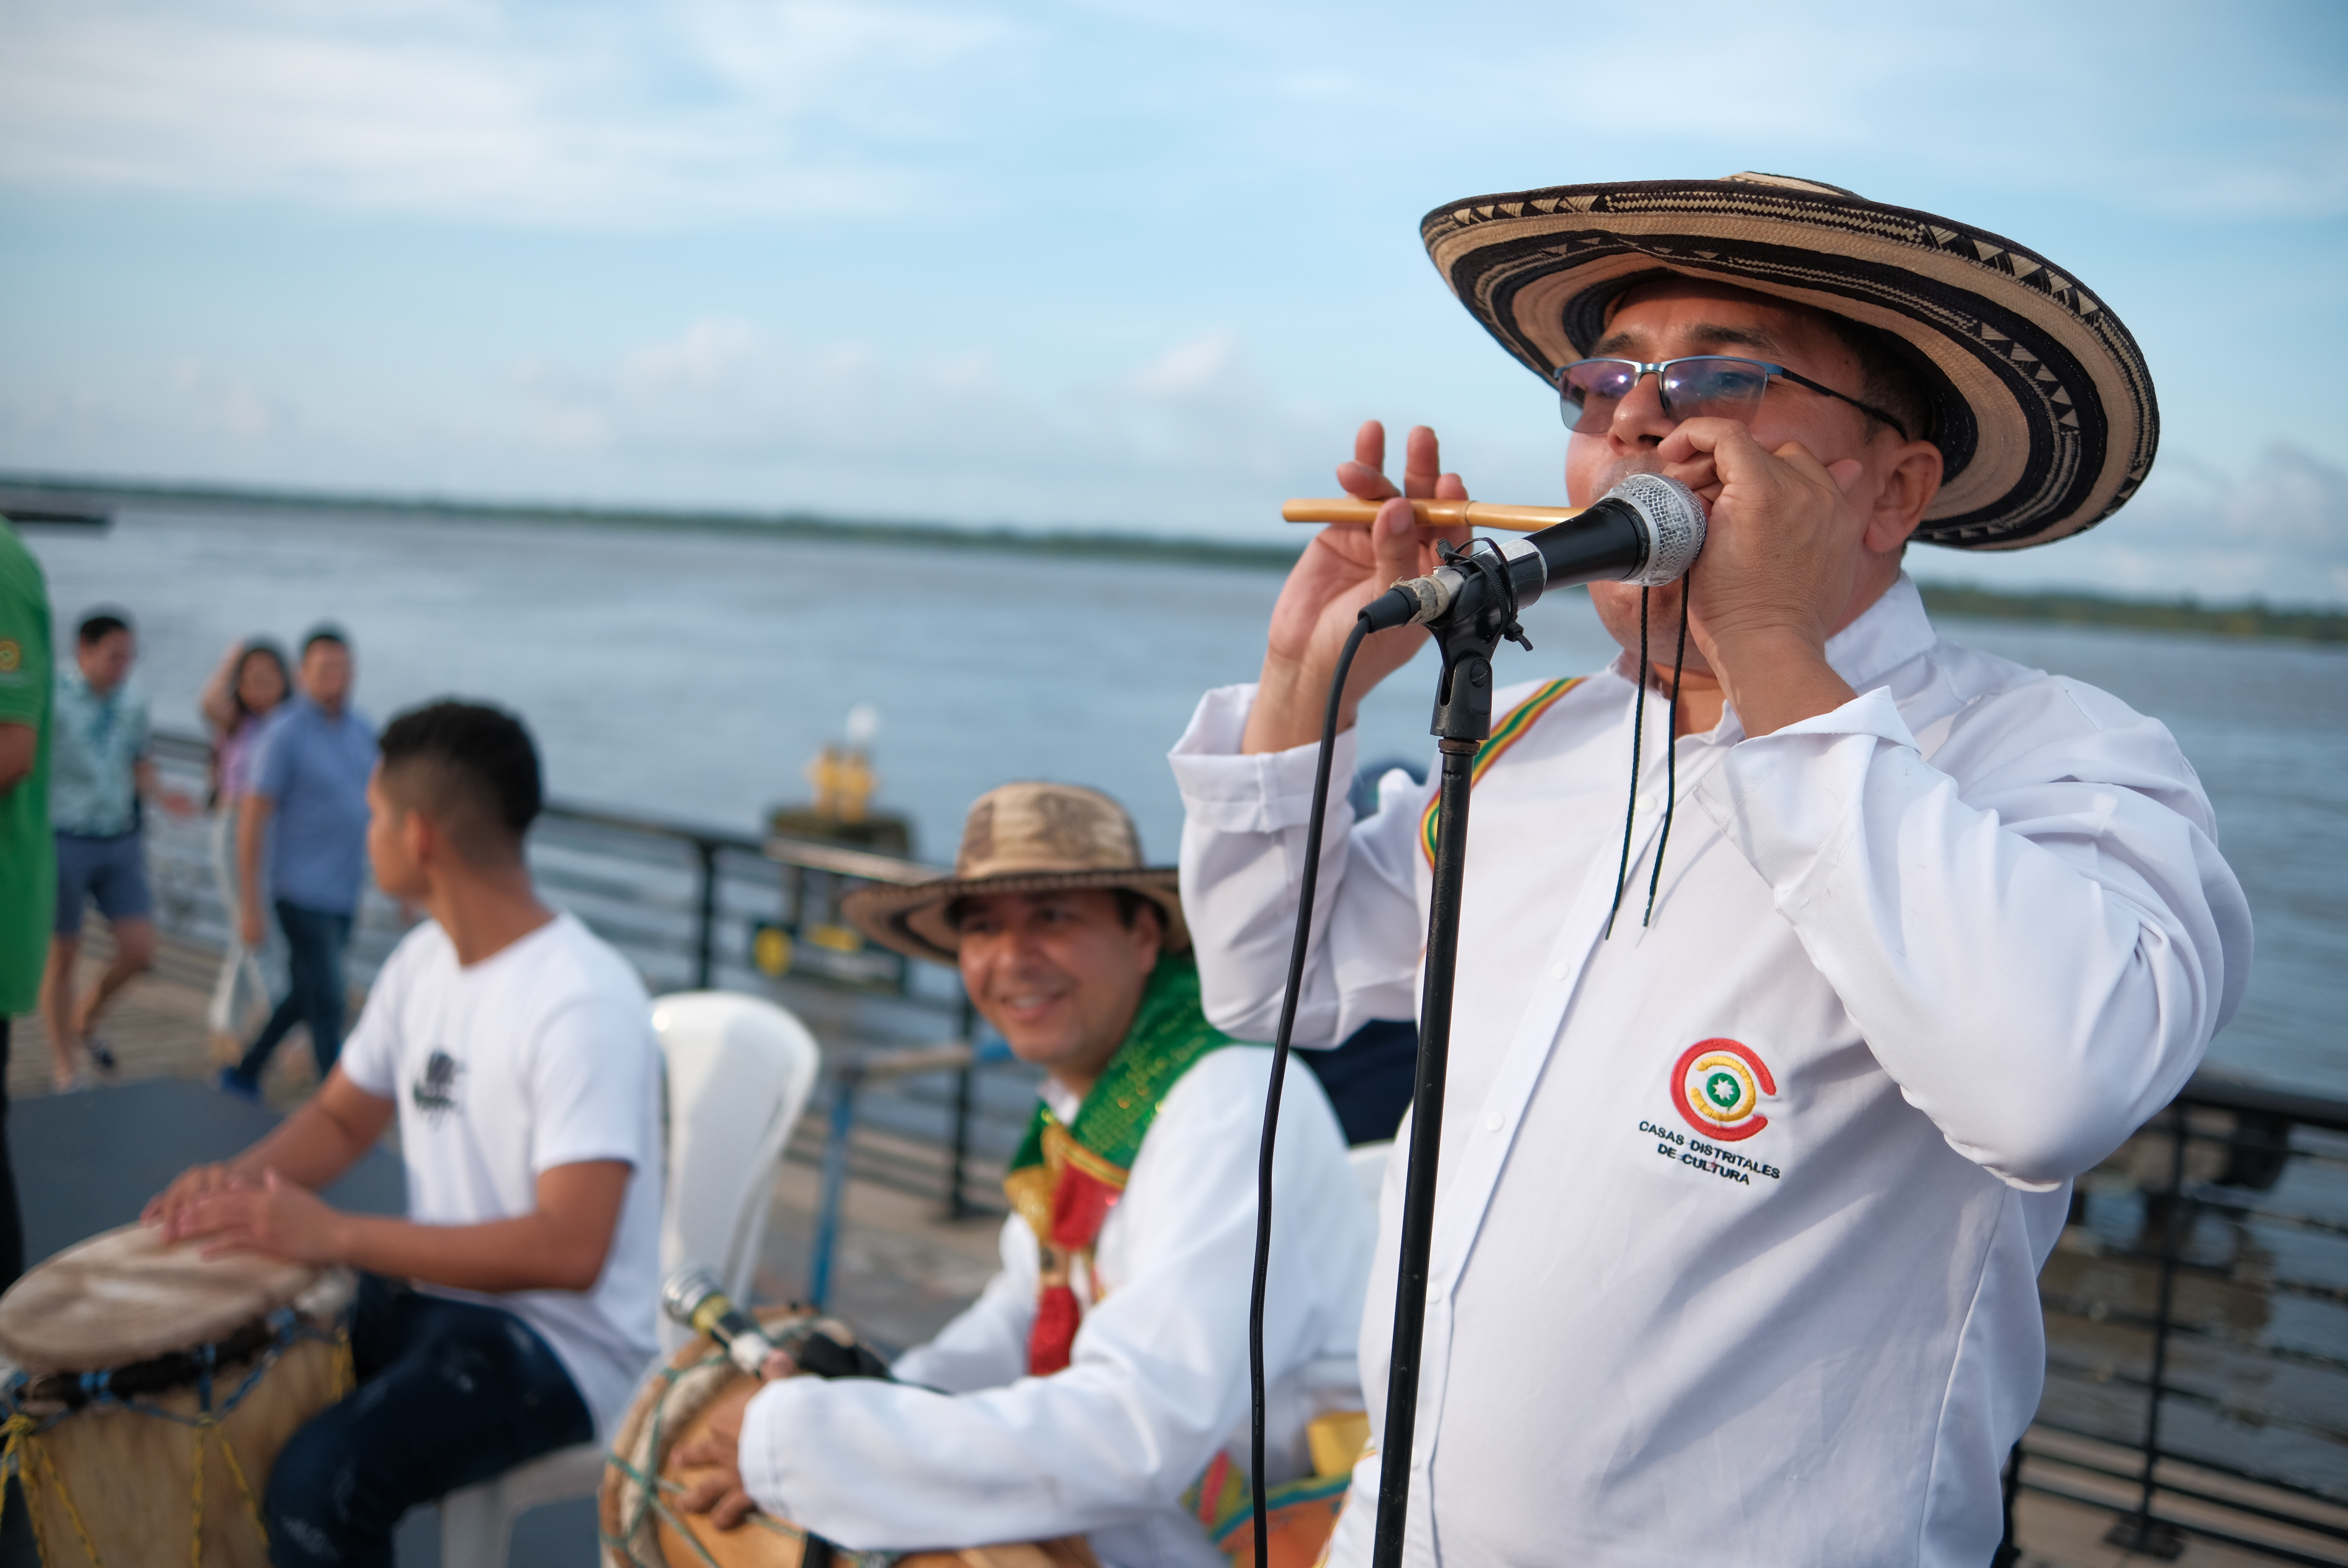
{"points": [[604, 114], [2277, 531], [1190, 439], [609, 115]]}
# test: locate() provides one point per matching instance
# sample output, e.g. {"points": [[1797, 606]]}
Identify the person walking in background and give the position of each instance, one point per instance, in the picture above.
{"points": [[100, 773], [250, 683], [28, 871], [307, 805]]}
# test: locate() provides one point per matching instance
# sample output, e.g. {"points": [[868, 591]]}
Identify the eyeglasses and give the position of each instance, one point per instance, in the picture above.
{"points": [[1706, 386]]}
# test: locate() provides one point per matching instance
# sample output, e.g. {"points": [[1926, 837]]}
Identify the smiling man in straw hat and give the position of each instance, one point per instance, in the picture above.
{"points": [[1759, 1125], [1099, 1385]]}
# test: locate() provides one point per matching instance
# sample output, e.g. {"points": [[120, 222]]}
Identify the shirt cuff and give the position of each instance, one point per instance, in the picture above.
{"points": [[1782, 798], [755, 1456], [1225, 792]]}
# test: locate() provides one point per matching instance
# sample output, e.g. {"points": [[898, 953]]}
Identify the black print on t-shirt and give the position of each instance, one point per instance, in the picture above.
{"points": [[436, 1091]]}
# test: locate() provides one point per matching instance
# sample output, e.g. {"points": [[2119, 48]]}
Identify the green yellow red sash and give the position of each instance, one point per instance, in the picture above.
{"points": [[1513, 727], [1065, 1179]]}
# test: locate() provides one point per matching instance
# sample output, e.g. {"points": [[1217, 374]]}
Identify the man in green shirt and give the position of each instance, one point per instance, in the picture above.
{"points": [[28, 874]]}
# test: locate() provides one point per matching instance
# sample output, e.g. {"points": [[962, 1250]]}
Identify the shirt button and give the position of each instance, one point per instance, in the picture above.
{"points": [[1495, 1122], [1560, 971]]}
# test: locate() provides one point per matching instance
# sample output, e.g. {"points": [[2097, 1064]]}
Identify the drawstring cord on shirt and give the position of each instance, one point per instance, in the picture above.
{"points": [[1631, 812], [1671, 759], [1671, 754]]}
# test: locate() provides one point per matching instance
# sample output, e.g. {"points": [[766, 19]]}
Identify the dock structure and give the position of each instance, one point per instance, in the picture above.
{"points": [[2197, 1306], [903, 1266]]}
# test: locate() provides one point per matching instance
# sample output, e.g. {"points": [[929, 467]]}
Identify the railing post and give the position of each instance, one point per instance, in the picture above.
{"points": [[705, 945], [957, 1204], [835, 1183], [2140, 1531]]}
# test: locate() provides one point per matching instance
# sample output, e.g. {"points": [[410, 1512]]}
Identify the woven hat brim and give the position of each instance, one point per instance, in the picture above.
{"points": [[2046, 416], [912, 919]]}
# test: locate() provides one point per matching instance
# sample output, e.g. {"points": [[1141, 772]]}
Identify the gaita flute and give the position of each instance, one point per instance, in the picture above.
{"points": [[1431, 514]]}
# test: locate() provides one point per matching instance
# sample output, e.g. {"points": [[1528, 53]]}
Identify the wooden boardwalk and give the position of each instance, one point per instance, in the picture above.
{"points": [[901, 1272]]}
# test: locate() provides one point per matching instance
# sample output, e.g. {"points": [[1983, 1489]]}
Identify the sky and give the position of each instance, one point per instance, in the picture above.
{"points": [[1101, 264]]}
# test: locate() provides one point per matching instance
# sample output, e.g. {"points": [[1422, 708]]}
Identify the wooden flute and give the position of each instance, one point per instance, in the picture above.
{"points": [[1430, 514]]}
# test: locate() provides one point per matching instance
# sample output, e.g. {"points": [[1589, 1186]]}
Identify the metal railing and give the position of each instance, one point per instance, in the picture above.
{"points": [[2196, 1317], [694, 907], [2195, 1307]]}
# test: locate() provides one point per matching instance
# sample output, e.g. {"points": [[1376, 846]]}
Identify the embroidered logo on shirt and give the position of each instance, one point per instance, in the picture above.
{"points": [[1719, 1086], [11, 656], [435, 1093]]}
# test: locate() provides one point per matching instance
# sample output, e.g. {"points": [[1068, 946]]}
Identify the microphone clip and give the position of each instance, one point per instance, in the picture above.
{"points": [[1481, 613], [1482, 564]]}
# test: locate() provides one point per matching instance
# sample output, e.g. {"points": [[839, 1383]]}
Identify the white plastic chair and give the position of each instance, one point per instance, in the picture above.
{"points": [[1368, 1163], [739, 1071]]}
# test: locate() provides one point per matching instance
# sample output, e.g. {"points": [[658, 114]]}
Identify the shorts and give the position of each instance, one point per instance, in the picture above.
{"points": [[113, 871]]}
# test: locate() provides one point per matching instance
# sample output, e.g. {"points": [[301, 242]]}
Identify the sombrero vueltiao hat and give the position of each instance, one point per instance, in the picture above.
{"points": [[2042, 406], [1026, 838]]}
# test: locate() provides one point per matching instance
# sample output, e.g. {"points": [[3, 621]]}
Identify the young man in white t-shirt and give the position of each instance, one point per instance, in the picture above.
{"points": [[511, 1313]]}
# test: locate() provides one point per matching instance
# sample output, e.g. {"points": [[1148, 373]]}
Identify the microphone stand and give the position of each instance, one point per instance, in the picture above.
{"points": [[1481, 616]]}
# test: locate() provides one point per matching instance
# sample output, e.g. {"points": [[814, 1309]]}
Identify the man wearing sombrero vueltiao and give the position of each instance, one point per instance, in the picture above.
{"points": [[1764, 1108], [1099, 1386]]}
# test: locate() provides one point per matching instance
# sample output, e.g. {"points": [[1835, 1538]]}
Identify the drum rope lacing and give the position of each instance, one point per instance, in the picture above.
{"points": [[287, 1329], [650, 1488]]}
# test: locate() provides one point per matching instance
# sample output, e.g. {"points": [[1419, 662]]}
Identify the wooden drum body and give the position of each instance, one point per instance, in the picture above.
{"points": [[150, 1390], [643, 1528]]}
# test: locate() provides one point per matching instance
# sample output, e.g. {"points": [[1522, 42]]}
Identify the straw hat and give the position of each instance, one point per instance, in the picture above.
{"points": [[1028, 837], [2043, 404]]}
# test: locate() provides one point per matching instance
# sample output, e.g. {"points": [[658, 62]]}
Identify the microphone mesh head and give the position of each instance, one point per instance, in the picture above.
{"points": [[687, 1289], [1674, 520]]}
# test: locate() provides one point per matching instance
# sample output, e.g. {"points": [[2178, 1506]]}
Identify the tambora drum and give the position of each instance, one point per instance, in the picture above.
{"points": [[147, 1390], [643, 1528]]}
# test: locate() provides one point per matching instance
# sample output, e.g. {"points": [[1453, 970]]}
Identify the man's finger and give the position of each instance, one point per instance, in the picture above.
{"points": [[1394, 543], [1369, 445], [732, 1509], [1364, 482], [703, 1494], [1422, 462], [220, 1243]]}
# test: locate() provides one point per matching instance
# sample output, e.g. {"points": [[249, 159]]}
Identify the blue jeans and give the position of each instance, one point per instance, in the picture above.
{"points": [[314, 942], [450, 1393]]}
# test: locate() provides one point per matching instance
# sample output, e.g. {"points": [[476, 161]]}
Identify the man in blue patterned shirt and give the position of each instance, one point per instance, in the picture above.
{"points": [[100, 773]]}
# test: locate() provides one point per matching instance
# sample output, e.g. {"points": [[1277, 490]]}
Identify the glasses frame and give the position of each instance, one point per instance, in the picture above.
{"points": [[1641, 370]]}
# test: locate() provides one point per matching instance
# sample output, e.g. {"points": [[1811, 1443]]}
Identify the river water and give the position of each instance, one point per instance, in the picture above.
{"points": [[692, 675]]}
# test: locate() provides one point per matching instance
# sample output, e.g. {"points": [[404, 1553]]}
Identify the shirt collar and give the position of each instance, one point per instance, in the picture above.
{"points": [[1887, 634]]}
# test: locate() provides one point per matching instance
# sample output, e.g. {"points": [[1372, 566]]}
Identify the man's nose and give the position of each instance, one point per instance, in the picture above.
{"points": [[1640, 419]]}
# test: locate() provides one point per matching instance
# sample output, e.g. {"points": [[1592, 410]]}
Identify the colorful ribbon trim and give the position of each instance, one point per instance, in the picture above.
{"points": [[1513, 728], [1065, 1180]]}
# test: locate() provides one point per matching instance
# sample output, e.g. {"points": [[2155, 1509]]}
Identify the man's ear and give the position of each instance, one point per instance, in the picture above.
{"points": [[419, 836], [1152, 920], [1908, 488]]}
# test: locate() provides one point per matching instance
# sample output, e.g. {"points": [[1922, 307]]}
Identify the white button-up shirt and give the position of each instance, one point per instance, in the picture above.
{"points": [[1158, 1379], [1739, 1215]]}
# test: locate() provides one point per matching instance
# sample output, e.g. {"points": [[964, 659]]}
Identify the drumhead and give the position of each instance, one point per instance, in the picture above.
{"points": [[124, 1296]]}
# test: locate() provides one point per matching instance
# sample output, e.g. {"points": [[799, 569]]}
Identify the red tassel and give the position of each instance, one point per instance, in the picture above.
{"points": [[1055, 1333], [1080, 1207]]}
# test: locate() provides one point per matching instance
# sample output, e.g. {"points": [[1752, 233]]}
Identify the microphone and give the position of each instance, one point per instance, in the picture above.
{"points": [[693, 1296], [1646, 530]]}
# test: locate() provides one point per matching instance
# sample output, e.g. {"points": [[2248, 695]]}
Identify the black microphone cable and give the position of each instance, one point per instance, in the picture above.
{"points": [[1307, 881]]}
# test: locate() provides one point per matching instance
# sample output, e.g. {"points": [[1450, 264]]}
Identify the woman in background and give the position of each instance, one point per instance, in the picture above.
{"points": [[237, 702]]}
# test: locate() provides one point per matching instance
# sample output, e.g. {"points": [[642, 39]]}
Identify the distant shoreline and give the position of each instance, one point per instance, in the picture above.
{"points": [[2062, 607]]}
